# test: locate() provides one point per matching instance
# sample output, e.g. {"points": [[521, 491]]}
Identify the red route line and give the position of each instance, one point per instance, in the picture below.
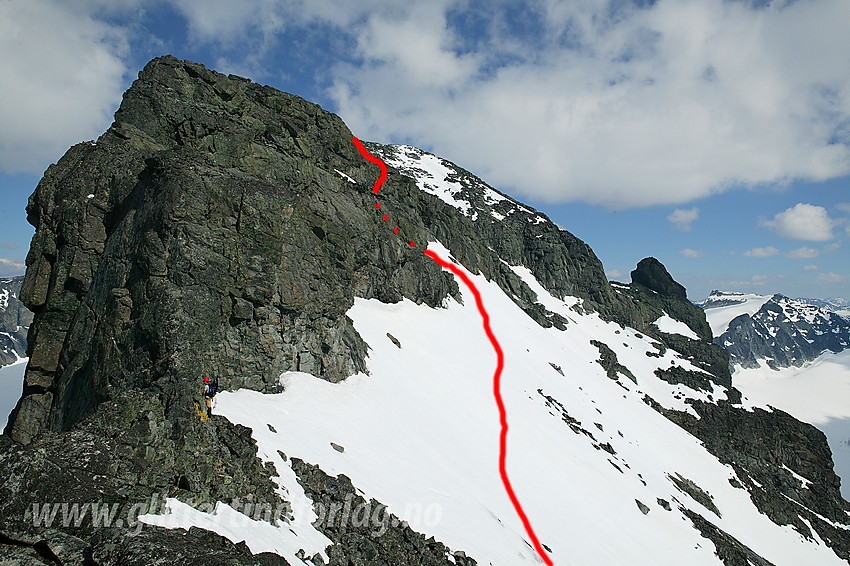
{"points": [[503, 419], [377, 161], [500, 359]]}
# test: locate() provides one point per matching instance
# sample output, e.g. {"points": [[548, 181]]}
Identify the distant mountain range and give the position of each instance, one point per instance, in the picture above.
{"points": [[15, 321], [776, 330]]}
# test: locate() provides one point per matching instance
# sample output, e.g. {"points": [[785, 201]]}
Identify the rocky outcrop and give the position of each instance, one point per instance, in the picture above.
{"points": [[652, 275], [378, 537], [206, 233], [786, 467], [654, 293], [124, 460], [15, 320], [214, 229]]}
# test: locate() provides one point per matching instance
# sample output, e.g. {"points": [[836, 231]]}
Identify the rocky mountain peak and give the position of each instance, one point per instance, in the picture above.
{"points": [[652, 274], [222, 228]]}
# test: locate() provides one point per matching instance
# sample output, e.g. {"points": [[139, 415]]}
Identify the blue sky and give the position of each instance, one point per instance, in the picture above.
{"points": [[713, 135]]}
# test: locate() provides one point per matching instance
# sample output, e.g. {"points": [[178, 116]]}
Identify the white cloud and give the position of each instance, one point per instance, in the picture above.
{"points": [[9, 245], [810, 268], [662, 104], [607, 103], [831, 247], [803, 253], [688, 252], [843, 206], [9, 267], [63, 76], [832, 277], [754, 281], [768, 251], [682, 218], [227, 22], [613, 274], [802, 222]]}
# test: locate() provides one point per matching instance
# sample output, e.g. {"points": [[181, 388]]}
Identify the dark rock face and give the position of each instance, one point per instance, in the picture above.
{"points": [[654, 293], [15, 320], [651, 274], [784, 332], [608, 360], [209, 232], [767, 449], [206, 233], [125, 462], [369, 534]]}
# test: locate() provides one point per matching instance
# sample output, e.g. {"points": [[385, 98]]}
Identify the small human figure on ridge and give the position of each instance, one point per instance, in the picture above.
{"points": [[209, 393]]}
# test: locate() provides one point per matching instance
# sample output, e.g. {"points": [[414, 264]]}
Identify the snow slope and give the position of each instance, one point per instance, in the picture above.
{"points": [[817, 393], [730, 306], [585, 452], [670, 325]]}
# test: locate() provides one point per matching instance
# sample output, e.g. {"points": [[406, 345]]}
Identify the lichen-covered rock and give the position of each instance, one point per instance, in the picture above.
{"points": [[374, 536]]}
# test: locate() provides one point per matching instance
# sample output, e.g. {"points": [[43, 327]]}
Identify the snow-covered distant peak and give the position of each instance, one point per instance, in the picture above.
{"points": [[801, 310], [837, 305], [774, 330], [453, 185], [722, 307]]}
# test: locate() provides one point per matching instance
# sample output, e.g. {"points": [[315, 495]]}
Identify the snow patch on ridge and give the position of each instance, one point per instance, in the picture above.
{"points": [[440, 178], [431, 176], [260, 536], [344, 176], [666, 323]]}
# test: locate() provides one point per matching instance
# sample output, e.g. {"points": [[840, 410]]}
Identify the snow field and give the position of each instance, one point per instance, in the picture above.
{"points": [[421, 432]]}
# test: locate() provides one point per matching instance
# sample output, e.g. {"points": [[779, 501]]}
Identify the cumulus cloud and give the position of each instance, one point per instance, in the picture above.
{"points": [[754, 281], [613, 104], [614, 274], [682, 218], [688, 252], [832, 277], [768, 251], [9, 267], [802, 222], [609, 103], [63, 76], [810, 268], [803, 253]]}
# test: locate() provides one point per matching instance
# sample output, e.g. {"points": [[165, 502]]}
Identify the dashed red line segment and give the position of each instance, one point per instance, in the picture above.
{"points": [[500, 358]]}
